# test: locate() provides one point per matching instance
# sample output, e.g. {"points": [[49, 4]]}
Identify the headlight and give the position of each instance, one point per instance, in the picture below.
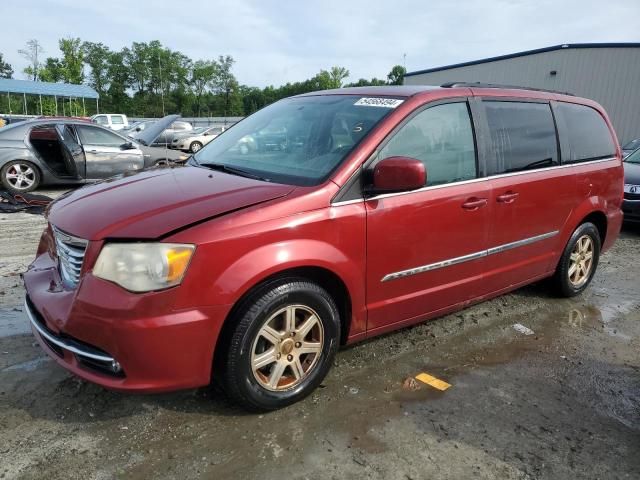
{"points": [[143, 267]]}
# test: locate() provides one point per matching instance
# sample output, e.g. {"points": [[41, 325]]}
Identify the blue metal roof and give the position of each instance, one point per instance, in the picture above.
{"points": [[47, 88], [528, 52]]}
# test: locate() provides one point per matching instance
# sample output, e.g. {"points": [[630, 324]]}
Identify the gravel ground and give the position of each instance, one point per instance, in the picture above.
{"points": [[563, 402]]}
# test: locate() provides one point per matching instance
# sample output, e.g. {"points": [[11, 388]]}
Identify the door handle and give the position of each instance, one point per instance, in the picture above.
{"points": [[92, 151], [508, 197], [474, 203]]}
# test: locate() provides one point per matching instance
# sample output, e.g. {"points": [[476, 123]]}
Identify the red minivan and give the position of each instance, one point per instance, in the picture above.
{"points": [[321, 220]]}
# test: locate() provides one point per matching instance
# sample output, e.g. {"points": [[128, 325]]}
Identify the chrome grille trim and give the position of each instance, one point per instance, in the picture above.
{"points": [[61, 342], [70, 250]]}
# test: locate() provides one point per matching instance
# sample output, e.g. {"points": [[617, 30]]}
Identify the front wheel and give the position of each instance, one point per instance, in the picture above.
{"points": [[283, 344], [578, 262], [195, 147], [20, 176]]}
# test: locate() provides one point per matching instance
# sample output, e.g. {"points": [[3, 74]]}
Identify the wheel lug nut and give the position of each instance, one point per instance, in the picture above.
{"points": [[298, 344], [289, 357], [278, 356]]}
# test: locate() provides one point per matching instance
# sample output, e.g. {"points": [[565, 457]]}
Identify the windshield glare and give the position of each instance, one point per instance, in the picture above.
{"points": [[297, 141]]}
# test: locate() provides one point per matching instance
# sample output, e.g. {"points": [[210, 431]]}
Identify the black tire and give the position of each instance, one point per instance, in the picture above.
{"points": [[195, 147], [238, 378], [34, 177], [561, 281]]}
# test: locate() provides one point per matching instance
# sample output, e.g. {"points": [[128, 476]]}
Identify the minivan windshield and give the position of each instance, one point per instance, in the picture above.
{"points": [[297, 141], [633, 157]]}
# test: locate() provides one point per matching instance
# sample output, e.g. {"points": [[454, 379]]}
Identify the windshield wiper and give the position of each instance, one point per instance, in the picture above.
{"points": [[221, 167]]}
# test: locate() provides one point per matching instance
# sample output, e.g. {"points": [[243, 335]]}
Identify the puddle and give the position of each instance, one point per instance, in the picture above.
{"points": [[13, 322]]}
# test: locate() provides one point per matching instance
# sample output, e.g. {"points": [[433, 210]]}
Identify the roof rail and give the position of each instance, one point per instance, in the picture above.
{"points": [[495, 85]]}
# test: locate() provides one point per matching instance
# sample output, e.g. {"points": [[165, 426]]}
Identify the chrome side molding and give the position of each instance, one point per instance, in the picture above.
{"points": [[469, 257]]}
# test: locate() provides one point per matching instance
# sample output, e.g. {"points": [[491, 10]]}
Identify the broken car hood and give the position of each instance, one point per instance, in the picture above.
{"points": [[149, 134], [153, 203]]}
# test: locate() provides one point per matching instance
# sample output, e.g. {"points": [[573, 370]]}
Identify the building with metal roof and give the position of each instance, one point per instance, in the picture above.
{"points": [[608, 73], [59, 91]]}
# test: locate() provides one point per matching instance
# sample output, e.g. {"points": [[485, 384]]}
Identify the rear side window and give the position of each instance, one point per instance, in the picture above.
{"points": [[523, 136], [117, 119], [589, 136], [101, 120], [442, 138]]}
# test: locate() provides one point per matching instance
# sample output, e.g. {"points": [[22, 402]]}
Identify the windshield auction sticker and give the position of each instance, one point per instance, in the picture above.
{"points": [[379, 102]]}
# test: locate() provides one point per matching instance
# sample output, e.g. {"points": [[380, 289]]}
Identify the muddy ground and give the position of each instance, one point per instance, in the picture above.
{"points": [[561, 403]]}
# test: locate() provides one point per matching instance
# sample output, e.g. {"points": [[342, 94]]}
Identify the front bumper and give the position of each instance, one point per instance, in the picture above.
{"points": [[631, 210], [117, 339]]}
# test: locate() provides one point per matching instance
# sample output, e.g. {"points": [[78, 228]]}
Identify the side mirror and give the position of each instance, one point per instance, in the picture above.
{"points": [[138, 129], [127, 146], [398, 174]]}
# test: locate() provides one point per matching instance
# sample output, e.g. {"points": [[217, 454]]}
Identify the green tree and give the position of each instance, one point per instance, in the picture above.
{"points": [[97, 56], [203, 76], [72, 61], [51, 71], [32, 53], [396, 75], [226, 85], [5, 69]]}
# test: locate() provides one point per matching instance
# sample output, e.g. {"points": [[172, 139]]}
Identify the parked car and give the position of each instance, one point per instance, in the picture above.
{"points": [[62, 151], [399, 204], [111, 120], [193, 141], [631, 203], [629, 147], [165, 139]]}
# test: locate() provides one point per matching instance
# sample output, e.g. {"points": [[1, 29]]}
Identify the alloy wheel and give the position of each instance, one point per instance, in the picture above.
{"points": [[20, 176], [287, 348], [581, 261]]}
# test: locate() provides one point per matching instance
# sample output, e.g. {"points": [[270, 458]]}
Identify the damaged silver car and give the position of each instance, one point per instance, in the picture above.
{"points": [[52, 151]]}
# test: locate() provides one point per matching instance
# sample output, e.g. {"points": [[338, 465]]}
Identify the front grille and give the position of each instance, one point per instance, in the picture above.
{"points": [[631, 196], [71, 252]]}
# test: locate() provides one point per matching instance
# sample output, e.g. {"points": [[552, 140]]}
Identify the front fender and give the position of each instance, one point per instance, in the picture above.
{"points": [[268, 260]]}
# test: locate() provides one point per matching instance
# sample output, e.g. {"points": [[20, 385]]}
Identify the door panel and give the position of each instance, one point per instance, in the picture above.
{"points": [[429, 230], [72, 152], [531, 195], [425, 249], [524, 231], [105, 155]]}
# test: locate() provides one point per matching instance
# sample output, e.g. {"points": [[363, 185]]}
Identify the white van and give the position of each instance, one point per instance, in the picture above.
{"points": [[111, 120]]}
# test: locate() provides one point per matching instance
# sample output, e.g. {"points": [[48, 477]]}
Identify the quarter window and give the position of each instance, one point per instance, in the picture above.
{"points": [[441, 137], [117, 120], [102, 120], [98, 136], [589, 136], [523, 136]]}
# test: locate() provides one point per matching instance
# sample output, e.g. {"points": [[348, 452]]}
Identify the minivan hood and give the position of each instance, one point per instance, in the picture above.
{"points": [[631, 173], [155, 202]]}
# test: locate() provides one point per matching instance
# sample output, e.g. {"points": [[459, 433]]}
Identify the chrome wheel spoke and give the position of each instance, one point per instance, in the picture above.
{"points": [[270, 334], [306, 327], [265, 358], [290, 319], [310, 347], [296, 367], [572, 269], [276, 374]]}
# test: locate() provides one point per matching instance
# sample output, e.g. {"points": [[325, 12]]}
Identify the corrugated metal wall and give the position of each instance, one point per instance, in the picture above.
{"points": [[610, 76]]}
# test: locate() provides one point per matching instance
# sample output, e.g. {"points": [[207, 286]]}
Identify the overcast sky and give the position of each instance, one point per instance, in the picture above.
{"points": [[274, 42]]}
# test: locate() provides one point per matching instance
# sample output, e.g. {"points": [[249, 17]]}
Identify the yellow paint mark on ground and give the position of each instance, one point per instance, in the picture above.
{"points": [[433, 381]]}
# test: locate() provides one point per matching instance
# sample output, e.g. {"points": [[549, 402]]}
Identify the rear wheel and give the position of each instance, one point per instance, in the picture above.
{"points": [[19, 176], [195, 147], [578, 262], [282, 346]]}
